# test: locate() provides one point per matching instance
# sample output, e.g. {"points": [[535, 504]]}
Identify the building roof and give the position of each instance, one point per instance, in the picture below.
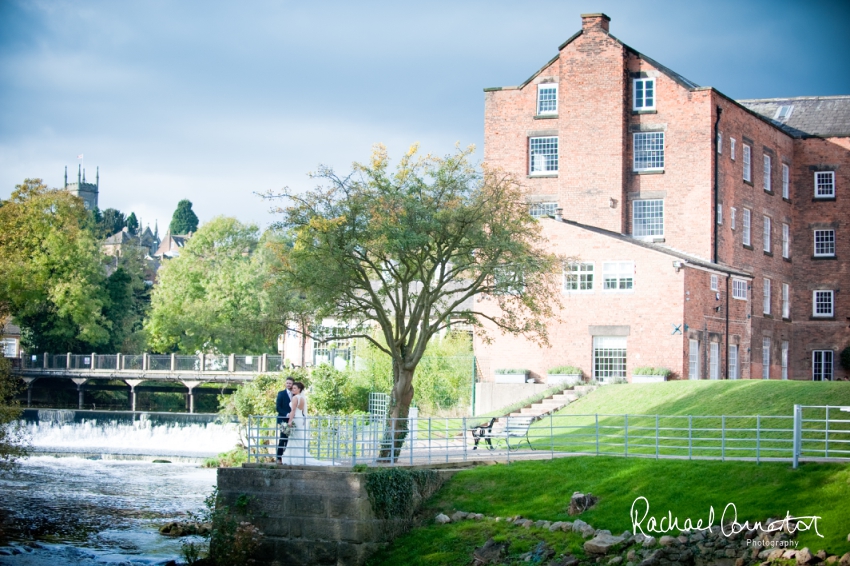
{"points": [[121, 237], [805, 116], [688, 258]]}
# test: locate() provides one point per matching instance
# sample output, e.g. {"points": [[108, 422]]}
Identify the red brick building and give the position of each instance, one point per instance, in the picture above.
{"points": [[711, 235]]}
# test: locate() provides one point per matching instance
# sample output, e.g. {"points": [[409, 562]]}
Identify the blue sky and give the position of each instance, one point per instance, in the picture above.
{"points": [[213, 101]]}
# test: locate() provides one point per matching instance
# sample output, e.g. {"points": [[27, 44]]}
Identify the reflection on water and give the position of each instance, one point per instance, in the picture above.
{"points": [[77, 511]]}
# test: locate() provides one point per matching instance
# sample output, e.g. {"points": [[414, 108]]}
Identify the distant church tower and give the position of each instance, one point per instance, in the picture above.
{"points": [[86, 191]]}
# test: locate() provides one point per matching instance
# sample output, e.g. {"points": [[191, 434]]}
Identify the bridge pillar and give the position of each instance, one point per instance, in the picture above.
{"points": [[93, 364], [191, 385], [173, 362], [203, 364], [46, 362], [231, 363], [79, 381], [29, 381], [133, 383], [68, 361], [264, 363], [144, 362], [117, 362]]}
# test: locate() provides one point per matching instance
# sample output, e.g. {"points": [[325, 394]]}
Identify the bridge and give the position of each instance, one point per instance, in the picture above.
{"points": [[133, 369]]}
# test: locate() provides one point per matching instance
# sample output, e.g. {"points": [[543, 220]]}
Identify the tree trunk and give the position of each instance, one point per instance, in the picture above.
{"points": [[397, 427]]}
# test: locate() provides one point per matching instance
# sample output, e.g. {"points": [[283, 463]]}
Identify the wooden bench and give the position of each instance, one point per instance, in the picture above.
{"points": [[515, 427]]}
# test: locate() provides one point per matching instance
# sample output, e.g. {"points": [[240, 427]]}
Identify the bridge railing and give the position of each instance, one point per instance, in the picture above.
{"points": [[206, 363]]}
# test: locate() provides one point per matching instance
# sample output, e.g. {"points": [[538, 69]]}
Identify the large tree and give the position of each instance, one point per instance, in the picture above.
{"points": [[212, 296], [184, 219], [409, 251], [51, 270], [12, 434], [111, 221]]}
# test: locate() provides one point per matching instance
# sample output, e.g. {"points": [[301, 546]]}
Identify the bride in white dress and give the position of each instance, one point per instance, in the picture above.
{"points": [[296, 449]]}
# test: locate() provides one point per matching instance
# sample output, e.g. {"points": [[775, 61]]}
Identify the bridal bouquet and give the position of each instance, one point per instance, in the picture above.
{"points": [[286, 428]]}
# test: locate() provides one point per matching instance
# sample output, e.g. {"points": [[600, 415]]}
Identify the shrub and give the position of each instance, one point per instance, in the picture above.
{"points": [[845, 358], [511, 371], [646, 370], [564, 370]]}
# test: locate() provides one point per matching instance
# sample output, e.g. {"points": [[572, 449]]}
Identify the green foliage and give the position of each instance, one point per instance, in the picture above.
{"points": [[511, 371], [52, 273], [230, 459], [845, 358], [647, 370], [406, 250], [12, 440], [564, 370], [132, 224], [129, 299], [213, 296], [184, 219], [112, 221], [332, 392], [392, 491]]}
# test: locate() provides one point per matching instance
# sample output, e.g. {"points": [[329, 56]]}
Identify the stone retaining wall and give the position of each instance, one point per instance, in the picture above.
{"points": [[311, 515]]}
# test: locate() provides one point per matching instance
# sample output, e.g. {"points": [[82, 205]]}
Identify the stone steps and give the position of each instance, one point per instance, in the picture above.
{"points": [[553, 403]]}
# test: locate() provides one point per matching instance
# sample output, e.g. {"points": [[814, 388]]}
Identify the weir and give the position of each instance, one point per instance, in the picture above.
{"points": [[60, 431]]}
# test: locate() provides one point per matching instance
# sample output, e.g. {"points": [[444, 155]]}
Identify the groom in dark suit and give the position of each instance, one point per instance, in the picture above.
{"points": [[284, 398]]}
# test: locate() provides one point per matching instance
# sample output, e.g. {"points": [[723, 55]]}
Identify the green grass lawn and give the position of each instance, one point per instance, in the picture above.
{"points": [[698, 418], [542, 490], [687, 489]]}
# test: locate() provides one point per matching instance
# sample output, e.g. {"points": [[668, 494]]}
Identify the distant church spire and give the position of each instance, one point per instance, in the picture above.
{"points": [[66, 176], [156, 228], [79, 174], [97, 178]]}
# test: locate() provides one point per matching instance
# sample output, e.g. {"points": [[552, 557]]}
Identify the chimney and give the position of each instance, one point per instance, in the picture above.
{"points": [[590, 21]]}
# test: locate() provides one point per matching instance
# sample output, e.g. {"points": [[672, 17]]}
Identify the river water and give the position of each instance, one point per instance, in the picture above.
{"points": [[105, 504]]}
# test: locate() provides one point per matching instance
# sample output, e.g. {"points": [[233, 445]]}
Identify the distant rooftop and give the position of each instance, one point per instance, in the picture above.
{"points": [[805, 116]]}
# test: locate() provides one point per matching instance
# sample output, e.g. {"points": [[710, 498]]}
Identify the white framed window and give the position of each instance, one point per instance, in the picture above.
{"points": [[714, 281], [618, 275], [784, 359], [823, 303], [547, 99], [765, 358], [648, 217], [693, 359], [720, 214], [786, 300], [786, 182], [783, 113], [732, 144], [543, 155], [578, 277], [746, 231], [540, 209], [767, 177], [786, 240], [767, 234], [822, 361], [508, 281], [714, 361], [649, 151], [824, 243], [732, 213], [825, 184], [719, 143], [733, 361], [748, 164], [609, 358], [9, 347], [643, 91], [766, 297], [739, 289]]}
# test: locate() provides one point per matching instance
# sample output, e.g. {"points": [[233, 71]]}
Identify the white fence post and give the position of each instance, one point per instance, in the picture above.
{"points": [[798, 433]]}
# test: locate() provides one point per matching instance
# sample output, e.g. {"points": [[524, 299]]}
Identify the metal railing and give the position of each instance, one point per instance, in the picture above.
{"points": [[821, 432], [202, 363], [361, 440]]}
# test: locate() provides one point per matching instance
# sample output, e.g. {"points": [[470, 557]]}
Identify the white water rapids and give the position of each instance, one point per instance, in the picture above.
{"points": [[93, 506]]}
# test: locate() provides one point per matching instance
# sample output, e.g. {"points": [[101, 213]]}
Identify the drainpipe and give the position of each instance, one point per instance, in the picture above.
{"points": [[738, 364], [716, 179]]}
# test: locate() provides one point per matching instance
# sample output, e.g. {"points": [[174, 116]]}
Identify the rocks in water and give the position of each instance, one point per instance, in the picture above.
{"points": [[161, 462], [579, 503], [182, 529], [602, 543], [442, 519], [491, 553]]}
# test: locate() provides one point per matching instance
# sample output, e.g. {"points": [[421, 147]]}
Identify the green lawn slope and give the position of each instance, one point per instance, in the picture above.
{"points": [[541, 490]]}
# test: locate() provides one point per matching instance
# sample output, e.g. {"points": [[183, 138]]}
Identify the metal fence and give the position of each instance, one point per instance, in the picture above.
{"points": [[362, 439]]}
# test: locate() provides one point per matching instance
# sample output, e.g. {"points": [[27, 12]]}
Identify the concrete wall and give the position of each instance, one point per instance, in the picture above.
{"points": [[491, 396], [312, 516]]}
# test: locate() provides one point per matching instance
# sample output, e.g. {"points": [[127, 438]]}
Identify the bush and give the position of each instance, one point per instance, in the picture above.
{"points": [[845, 358], [564, 370], [511, 371], [334, 392], [646, 370]]}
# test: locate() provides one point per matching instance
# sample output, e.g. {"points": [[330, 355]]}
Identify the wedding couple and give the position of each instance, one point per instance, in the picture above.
{"points": [[291, 405]]}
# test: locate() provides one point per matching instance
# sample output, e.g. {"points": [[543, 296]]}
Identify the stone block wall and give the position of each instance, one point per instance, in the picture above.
{"points": [[312, 516]]}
